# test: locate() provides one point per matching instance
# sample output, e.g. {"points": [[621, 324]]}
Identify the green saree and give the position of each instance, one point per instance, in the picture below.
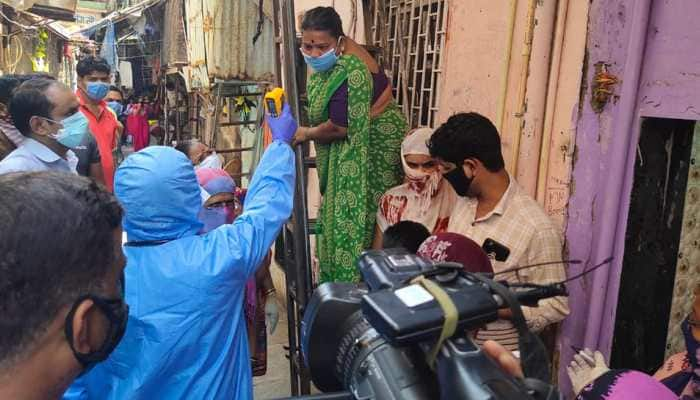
{"points": [[353, 172]]}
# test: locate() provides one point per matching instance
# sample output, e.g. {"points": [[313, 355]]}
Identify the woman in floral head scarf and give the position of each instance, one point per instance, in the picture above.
{"points": [[423, 197]]}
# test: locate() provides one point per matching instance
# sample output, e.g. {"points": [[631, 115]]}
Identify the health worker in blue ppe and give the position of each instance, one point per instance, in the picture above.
{"points": [[186, 333]]}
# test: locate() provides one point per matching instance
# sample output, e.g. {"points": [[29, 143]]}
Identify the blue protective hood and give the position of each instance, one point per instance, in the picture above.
{"points": [[186, 336], [159, 192]]}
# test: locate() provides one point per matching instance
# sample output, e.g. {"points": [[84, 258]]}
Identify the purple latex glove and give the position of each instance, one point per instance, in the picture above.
{"points": [[283, 127]]}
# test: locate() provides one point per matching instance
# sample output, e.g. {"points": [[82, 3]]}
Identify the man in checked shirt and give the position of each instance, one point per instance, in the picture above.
{"points": [[494, 211]]}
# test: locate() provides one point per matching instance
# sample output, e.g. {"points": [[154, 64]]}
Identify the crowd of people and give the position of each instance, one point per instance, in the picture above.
{"points": [[149, 276], [196, 281]]}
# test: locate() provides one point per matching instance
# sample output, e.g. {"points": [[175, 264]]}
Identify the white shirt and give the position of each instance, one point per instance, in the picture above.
{"points": [[519, 223], [34, 156]]}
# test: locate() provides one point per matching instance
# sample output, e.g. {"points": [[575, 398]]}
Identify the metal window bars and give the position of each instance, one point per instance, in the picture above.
{"points": [[411, 35]]}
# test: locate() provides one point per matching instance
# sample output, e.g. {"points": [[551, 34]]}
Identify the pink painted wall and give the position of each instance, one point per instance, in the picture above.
{"points": [[475, 73], [473, 70]]}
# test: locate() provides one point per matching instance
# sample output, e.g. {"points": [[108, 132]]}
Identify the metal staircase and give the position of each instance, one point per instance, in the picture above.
{"points": [[296, 235]]}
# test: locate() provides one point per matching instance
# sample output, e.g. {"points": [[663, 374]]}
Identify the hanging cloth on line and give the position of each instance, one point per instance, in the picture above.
{"points": [[109, 47]]}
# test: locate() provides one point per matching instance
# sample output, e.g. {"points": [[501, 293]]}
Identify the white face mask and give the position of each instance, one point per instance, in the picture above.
{"points": [[211, 161]]}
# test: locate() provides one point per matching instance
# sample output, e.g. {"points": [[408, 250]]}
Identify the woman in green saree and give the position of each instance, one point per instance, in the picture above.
{"points": [[357, 129]]}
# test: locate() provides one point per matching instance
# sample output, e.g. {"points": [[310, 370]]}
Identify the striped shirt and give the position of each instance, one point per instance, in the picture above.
{"points": [[519, 223]]}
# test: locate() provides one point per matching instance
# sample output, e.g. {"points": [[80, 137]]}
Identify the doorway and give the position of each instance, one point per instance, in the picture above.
{"points": [[652, 240]]}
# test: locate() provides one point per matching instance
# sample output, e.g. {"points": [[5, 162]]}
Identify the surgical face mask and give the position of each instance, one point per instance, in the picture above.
{"points": [[323, 62], [116, 106], [73, 131], [211, 161], [459, 180], [117, 314], [212, 218], [97, 90]]}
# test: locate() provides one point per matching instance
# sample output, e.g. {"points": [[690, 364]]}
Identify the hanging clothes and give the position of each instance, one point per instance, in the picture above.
{"points": [[109, 47], [126, 74], [137, 125]]}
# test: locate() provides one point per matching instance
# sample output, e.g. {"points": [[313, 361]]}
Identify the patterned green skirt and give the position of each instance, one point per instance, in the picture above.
{"points": [[345, 233]]}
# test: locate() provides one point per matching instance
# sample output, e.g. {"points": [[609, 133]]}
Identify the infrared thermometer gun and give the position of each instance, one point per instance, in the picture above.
{"points": [[273, 101]]}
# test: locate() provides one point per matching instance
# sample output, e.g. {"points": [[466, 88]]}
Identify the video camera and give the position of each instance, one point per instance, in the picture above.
{"points": [[376, 339]]}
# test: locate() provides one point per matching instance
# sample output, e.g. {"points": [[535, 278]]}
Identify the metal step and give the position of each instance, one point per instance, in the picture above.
{"points": [[237, 123], [310, 162]]}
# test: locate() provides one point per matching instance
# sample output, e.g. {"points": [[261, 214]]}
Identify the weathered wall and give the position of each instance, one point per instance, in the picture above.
{"points": [[651, 50], [670, 88], [558, 139], [474, 70], [353, 20], [480, 74]]}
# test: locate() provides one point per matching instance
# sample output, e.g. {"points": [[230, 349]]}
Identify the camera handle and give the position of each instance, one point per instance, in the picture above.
{"points": [[533, 355], [464, 371]]}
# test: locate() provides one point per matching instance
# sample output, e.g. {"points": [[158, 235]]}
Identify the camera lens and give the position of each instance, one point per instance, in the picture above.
{"points": [[359, 335]]}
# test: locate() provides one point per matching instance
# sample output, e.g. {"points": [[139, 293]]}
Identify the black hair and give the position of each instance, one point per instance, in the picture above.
{"points": [[91, 64], [9, 83], [184, 147], [323, 19], [405, 234], [29, 100], [36, 75], [116, 89], [468, 135], [57, 244]]}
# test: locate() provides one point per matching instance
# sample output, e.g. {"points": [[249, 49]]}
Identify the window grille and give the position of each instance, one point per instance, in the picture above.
{"points": [[411, 38]]}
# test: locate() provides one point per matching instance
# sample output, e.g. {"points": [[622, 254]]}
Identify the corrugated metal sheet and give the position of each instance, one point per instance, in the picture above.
{"points": [[197, 73], [229, 30], [173, 52], [66, 5], [61, 10]]}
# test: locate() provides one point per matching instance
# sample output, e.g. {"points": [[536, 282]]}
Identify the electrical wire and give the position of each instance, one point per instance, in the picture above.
{"points": [[588, 271], [515, 269], [12, 66], [23, 27]]}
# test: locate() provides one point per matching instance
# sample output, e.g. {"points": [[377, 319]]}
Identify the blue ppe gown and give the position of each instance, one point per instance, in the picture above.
{"points": [[186, 334]]}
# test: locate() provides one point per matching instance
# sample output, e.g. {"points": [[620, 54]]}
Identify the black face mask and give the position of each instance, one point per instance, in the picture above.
{"points": [[459, 180], [117, 313]]}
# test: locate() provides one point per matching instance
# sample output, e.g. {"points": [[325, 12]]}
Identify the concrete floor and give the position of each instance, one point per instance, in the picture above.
{"points": [[276, 383]]}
